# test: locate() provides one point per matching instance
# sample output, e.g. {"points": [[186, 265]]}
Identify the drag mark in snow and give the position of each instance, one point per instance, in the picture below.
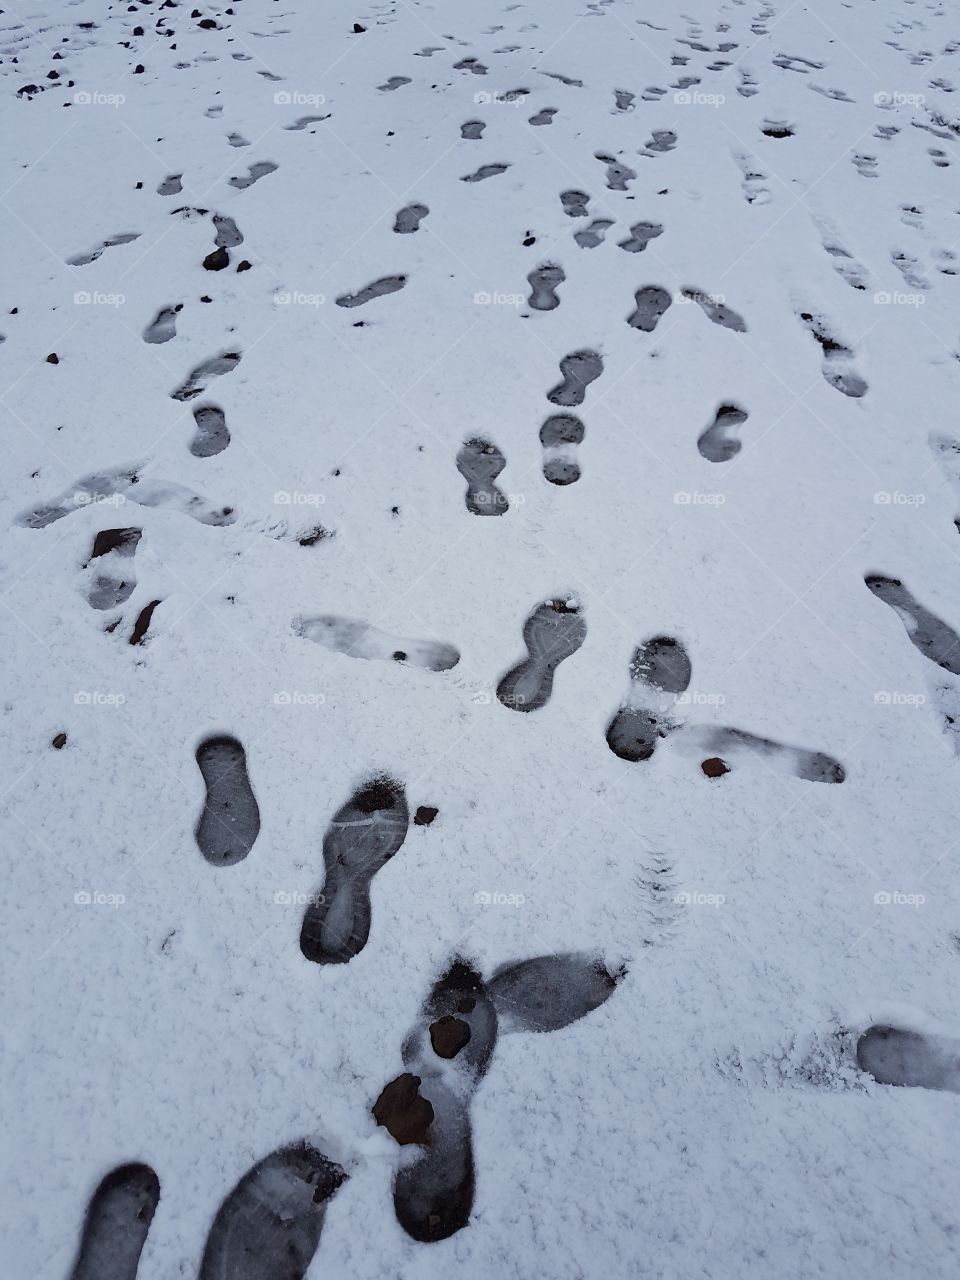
{"points": [[363, 836], [358, 639], [554, 631]]}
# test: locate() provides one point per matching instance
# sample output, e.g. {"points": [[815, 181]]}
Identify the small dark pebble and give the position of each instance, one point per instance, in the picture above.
{"points": [[425, 815], [715, 767], [59, 742]]}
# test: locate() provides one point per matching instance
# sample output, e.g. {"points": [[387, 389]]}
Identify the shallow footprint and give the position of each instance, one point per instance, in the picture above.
{"points": [[659, 672], [409, 218], [472, 129], [723, 745], [560, 435], [113, 581], [544, 282], [254, 174], [363, 835], [358, 639], [230, 822], [554, 631], [212, 435], [480, 462], [937, 641], [579, 369], [543, 116], [386, 284], [118, 1219], [717, 443], [716, 311], [550, 992], [485, 171], [163, 327], [268, 1227], [895, 1056], [652, 303]]}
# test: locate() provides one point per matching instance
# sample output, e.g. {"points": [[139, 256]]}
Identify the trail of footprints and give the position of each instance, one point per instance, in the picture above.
{"points": [[269, 1226]]}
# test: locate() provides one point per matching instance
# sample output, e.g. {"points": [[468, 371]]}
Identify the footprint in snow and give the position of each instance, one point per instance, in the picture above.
{"points": [[723, 745], [472, 129], [163, 327], [212, 435], [543, 116], [480, 462], [592, 236], [358, 639], [716, 310], [230, 821], [659, 672], [363, 835], [394, 82], [254, 174], [171, 185], [269, 1226], [897, 1056], [82, 259], [215, 367], [652, 302], [377, 289], [718, 443], [122, 485], [661, 141], [579, 369], [302, 122], [118, 1219], [408, 218], [560, 435], [623, 100], [447, 1053], [554, 631], [544, 282], [485, 171], [641, 233], [934, 638], [619, 175], [113, 579], [837, 364], [574, 203]]}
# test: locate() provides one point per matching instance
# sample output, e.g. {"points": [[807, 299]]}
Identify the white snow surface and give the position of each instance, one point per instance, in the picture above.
{"points": [[709, 1120]]}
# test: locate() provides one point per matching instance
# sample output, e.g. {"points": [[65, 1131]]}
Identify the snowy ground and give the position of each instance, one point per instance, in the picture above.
{"points": [[710, 1119]]}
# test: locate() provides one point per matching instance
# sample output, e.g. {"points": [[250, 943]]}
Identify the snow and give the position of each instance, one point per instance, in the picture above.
{"points": [[708, 1120]]}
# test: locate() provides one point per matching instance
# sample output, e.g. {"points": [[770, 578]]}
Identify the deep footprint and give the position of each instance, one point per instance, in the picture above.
{"points": [[579, 369], [837, 359], [230, 822], [447, 1055], [408, 218], [544, 282], [113, 580], [937, 641], [163, 327], [118, 1219], [560, 435], [358, 639], [269, 1226], [212, 435], [659, 672], [907, 1058], [386, 284], [363, 835], [716, 311], [554, 631], [652, 303], [717, 443], [641, 233], [480, 462]]}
